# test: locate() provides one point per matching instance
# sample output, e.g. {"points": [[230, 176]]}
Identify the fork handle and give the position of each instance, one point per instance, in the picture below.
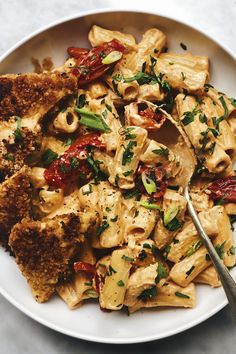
{"points": [[227, 281]]}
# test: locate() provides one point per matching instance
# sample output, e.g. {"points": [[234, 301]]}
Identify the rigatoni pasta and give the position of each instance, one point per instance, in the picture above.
{"points": [[94, 207]]}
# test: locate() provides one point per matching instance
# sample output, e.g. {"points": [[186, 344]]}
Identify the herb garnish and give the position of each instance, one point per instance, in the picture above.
{"points": [[17, 132], [81, 101], [111, 270], [161, 273], [189, 116], [194, 248], [148, 205], [148, 294], [48, 157], [128, 153], [101, 228], [177, 293], [220, 250], [189, 271], [121, 283], [127, 258], [92, 120], [162, 151], [183, 46]]}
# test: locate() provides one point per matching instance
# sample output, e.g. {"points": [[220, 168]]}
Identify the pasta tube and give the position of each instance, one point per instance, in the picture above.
{"points": [[113, 292], [209, 276], [130, 147]]}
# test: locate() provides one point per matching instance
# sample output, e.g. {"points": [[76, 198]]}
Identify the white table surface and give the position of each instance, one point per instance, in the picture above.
{"points": [[18, 333]]}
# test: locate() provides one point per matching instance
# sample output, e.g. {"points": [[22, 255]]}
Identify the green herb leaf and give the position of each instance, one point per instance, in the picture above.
{"points": [[126, 132], [81, 101], [189, 116], [126, 258], [190, 271], [17, 132], [148, 294], [233, 101], [183, 46], [121, 283], [9, 157], [111, 271], [182, 295], [220, 250], [68, 142], [115, 88], [194, 248], [128, 153], [162, 152], [128, 173], [48, 157], [146, 245], [203, 118], [101, 228], [92, 120], [174, 225], [161, 272], [130, 193]]}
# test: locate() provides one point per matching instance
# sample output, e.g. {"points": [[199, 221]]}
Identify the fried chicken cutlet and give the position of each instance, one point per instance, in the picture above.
{"points": [[24, 101], [44, 250]]}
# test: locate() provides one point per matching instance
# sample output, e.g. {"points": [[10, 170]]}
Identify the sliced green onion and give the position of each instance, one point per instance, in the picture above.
{"points": [[112, 57], [149, 184], [148, 205], [92, 120], [170, 214]]}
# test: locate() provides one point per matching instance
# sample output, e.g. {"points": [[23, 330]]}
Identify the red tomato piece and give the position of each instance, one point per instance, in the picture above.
{"points": [[73, 162], [89, 66], [85, 267], [223, 188]]}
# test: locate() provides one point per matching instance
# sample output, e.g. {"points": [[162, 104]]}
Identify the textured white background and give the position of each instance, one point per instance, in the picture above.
{"points": [[18, 333]]}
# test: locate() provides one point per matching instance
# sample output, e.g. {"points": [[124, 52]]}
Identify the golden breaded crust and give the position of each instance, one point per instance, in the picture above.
{"points": [[12, 156], [29, 94], [43, 251], [14, 202]]}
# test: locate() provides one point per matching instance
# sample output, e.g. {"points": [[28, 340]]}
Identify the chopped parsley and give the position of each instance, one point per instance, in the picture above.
{"points": [[88, 283], [128, 153], [17, 132], [189, 271], [126, 132], [194, 248], [233, 101], [108, 107], [142, 255], [102, 228], [203, 118], [48, 157], [174, 225], [148, 294], [220, 250], [161, 273], [189, 116], [9, 157], [127, 258], [115, 88], [183, 46], [183, 76], [121, 283], [130, 193], [68, 142], [208, 258], [111, 270], [217, 121], [81, 101], [177, 293], [128, 173], [162, 151], [232, 250]]}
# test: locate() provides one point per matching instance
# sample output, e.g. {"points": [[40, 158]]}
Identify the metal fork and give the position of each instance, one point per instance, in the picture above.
{"points": [[227, 281]]}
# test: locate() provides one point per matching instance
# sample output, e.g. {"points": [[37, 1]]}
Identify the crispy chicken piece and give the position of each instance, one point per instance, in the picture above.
{"points": [[26, 95], [24, 100], [44, 251], [14, 202]]}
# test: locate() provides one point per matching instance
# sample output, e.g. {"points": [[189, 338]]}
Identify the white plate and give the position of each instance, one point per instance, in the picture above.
{"points": [[88, 322]]}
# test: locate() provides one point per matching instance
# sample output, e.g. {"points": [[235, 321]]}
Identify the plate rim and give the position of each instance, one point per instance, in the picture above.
{"points": [[23, 308]]}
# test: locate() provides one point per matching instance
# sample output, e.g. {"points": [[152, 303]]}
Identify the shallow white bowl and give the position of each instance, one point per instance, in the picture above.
{"points": [[88, 322]]}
